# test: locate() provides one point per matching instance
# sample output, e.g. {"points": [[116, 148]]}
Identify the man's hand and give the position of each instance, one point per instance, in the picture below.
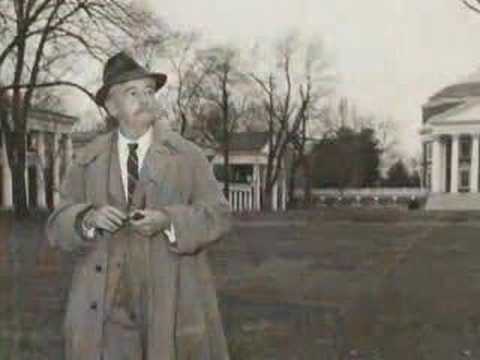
{"points": [[106, 217], [149, 222]]}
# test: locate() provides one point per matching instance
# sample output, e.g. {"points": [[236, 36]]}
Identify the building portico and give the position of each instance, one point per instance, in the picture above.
{"points": [[452, 162], [451, 147], [49, 151]]}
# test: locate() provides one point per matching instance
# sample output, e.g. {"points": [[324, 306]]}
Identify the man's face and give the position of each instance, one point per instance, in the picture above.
{"points": [[132, 103]]}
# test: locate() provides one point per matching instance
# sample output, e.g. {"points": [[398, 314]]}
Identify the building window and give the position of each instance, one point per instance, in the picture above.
{"points": [[465, 149], [428, 151], [428, 178], [464, 180]]}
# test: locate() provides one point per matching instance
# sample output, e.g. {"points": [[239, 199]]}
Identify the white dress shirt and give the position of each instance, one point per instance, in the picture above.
{"points": [[143, 142]]}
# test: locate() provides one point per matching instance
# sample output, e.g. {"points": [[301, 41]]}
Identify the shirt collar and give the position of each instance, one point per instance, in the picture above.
{"points": [[143, 141]]}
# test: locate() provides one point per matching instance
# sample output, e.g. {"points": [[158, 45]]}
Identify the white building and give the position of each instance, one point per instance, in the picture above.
{"points": [[450, 137], [50, 149], [248, 168]]}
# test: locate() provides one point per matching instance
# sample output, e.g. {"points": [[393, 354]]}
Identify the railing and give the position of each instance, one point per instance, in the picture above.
{"points": [[365, 196], [381, 192], [242, 197]]}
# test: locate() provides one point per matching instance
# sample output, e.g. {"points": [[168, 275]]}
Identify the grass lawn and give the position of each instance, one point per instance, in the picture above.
{"points": [[382, 282], [379, 282]]}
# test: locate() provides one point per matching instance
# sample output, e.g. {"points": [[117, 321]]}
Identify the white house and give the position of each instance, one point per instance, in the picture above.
{"points": [[248, 167], [450, 136]]}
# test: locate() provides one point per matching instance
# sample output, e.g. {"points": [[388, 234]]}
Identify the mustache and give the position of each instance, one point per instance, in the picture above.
{"points": [[149, 111]]}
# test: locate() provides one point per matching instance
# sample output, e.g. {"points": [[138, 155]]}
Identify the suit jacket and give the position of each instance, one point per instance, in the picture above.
{"points": [[180, 305]]}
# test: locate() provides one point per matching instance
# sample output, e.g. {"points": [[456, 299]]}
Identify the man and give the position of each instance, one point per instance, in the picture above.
{"points": [[142, 204]]}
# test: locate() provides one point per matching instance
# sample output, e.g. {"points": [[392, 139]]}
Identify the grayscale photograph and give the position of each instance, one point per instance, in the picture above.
{"points": [[239, 180]]}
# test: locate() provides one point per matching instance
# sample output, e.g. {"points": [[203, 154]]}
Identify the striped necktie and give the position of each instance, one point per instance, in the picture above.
{"points": [[132, 170]]}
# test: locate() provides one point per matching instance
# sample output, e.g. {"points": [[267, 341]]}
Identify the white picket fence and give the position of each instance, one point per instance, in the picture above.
{"points": [[242, 197]]}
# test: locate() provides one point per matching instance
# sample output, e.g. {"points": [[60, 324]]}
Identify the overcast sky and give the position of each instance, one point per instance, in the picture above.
{"points": [[391, 55]]}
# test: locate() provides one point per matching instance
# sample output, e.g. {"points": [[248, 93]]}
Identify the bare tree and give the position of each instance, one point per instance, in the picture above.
{"points": [[221, 80], [190, 75], [278, 110], [387, 133], [39, 35], [343, 113], [316, 86], [41, 41], [472, 5], [291, 102]]}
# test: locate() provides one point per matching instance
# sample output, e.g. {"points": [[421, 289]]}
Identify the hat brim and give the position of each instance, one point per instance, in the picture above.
{"points": [[101, 95]]}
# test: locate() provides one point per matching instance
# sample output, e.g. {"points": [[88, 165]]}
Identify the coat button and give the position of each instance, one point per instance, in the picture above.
{"points": [[98, 268], [93, 305]]}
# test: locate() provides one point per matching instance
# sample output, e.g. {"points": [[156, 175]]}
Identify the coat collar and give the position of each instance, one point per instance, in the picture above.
{"points": [[158, 167], [163, 142]]}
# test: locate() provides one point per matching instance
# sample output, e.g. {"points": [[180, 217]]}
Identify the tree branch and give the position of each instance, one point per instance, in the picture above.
{"points": [[472, 7], [50, 84], [88, 47]]}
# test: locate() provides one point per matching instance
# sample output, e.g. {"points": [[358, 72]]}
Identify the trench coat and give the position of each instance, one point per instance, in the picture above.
{"points": [[178, 302]]}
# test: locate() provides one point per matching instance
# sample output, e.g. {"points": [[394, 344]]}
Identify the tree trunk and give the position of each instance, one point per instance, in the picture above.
{"points": [[18, 166], [19, 191], [226, 164], [292, 182], [226, 134], [16, 151], [267, 191], [267, 198], [307, 189], [226, 188], [183, 124]]}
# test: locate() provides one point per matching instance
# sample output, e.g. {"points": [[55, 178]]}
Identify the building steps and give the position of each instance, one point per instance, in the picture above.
{"points": [[449, 201]]}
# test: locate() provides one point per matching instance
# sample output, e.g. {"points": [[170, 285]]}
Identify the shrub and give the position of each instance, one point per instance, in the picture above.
{"points": [[413, 204]]}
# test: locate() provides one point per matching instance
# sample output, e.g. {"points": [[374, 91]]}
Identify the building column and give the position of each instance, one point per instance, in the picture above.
{"points": [[454, 164], [41, 166], [7, 194], [474, 164], [56, 169], [423, 177], [257, 186], [436, 165], [239, 200], [443, 166], [68, 149], [275, 196]]}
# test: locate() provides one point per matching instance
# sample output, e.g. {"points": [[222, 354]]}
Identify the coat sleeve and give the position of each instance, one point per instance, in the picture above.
{"points": [[207, 217], [62, 225]]}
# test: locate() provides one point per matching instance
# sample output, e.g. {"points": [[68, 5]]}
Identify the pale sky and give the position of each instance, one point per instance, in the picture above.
{"points": [[391, 55]]}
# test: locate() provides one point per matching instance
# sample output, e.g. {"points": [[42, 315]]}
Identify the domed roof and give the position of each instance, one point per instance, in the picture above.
{"points": [[465, 86], [461, 90]]}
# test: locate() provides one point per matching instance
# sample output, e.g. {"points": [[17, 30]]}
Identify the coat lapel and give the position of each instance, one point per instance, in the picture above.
{"points": [[159, 171], [156, 173]]}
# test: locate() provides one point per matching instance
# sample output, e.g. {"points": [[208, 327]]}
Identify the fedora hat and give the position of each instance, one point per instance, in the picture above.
{"points": [[121, 68]]}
